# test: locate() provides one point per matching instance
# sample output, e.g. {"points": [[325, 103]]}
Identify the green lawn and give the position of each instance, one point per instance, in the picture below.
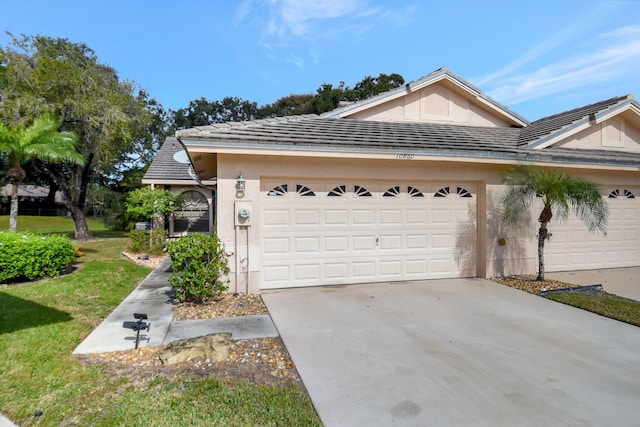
{"points": [[59, 225], [42, 322], [602, 303]]}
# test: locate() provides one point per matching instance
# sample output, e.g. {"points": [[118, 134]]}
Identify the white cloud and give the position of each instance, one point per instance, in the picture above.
{"points": [[313, 20], [617, 56]]}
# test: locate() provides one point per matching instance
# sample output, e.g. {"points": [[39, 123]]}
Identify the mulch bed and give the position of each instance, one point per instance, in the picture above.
{"points": [[530, 284], [257, 361]]}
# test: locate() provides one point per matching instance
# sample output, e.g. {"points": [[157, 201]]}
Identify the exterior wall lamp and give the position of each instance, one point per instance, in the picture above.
{"points": [[240, 183]]}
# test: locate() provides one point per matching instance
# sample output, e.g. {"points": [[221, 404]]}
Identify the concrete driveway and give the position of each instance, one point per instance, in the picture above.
{"points": [[462, 352], [624, 282]]}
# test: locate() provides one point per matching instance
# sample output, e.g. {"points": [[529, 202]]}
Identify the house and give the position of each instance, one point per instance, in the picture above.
{"points": [[172, 169], [406, 186], [32, 201]]}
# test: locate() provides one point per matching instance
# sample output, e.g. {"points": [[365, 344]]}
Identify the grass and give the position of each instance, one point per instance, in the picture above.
{"points": [[42, 322], [602, 303], [59, 225]]}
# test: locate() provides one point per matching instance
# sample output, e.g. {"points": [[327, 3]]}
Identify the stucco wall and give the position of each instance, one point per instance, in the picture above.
{"points": [[435, 104], [613, 134], [517, 256]]}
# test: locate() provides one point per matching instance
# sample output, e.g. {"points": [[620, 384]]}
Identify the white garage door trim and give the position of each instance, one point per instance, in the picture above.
{"points": [[346, 232], [573, 247]]}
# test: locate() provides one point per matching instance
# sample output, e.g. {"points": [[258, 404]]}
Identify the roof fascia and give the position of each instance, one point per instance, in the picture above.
{"points": [[514, 157], [580, 125], [150, 181]]}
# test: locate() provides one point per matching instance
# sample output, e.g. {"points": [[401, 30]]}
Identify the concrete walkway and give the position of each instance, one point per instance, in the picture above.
{"points": [[624, 282], [153, 297], [4, 422], [461, 352]]}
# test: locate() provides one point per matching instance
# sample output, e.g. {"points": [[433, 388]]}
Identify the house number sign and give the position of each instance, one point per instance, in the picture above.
{"points": [[405, 156]]}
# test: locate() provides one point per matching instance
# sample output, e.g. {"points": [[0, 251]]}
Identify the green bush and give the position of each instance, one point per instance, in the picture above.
{"points": [[200, 267], [147, 241], [139, 241], [29, 256]]}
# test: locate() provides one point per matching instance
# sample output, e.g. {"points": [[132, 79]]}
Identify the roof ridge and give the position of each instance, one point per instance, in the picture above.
{"points": [[603, 102]]}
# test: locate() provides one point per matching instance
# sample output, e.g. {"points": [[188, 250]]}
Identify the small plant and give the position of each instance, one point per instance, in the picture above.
{"points": [[25, 256], [200, 267], [139, 241], [149, 204], [146, 241]]}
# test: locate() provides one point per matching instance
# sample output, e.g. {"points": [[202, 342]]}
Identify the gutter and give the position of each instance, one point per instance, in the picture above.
{"points": [[512, 156]]}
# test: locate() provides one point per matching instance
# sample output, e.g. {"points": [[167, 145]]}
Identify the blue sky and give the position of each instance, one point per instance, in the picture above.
{"points": [[537, 58]]}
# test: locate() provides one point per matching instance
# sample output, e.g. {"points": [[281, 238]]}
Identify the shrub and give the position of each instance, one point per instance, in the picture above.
{"points": [[29, 256], [200, 267], [147, 241], [139, 241]]}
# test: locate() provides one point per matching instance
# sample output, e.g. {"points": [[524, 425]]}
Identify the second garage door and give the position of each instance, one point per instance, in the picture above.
{"points": [[573, 247], [323, 233]]}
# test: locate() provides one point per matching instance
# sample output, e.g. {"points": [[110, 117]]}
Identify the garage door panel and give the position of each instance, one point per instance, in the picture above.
{"points": [[416, 241], [307, 244], [307, 217], [390, 216], [391, 269], [442, 241], [441, 217], [441, 266], [275, 245], [394, 232], [276, 218], [365, 270], [417, 217], [336, 217], [417, 268], [620, 247], [336, 244], [364, 243], [276, 273], [306, 272], [390, 242], [336, 270]]}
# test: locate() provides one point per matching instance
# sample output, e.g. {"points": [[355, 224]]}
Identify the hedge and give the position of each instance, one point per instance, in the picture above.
{"points": [[25, 256]]}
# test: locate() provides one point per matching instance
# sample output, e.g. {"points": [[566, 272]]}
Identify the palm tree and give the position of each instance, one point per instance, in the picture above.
{"points": [[40, 141], [560, 193]]}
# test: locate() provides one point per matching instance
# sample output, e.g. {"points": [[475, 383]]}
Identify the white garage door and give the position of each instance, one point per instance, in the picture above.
{"points": [[322, 233], [573, 247]]}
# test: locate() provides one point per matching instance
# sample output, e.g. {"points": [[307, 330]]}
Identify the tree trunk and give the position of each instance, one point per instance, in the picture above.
{"points": [[73, 200], [543, 236], [13, 212], [80, 222]]}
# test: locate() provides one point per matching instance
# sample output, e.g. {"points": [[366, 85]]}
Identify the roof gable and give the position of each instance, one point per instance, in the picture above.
{"points": [[555, 129], [170, 165], [440, 97]]}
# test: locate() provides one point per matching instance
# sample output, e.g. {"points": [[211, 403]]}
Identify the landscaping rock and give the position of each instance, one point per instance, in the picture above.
{"points": [[212, 347]]}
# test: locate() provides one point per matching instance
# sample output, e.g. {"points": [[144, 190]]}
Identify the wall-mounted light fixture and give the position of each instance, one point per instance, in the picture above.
{"points": [[240, 183]]}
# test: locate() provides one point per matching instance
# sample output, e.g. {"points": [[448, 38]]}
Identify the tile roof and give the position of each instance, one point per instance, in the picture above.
{"points": [[312, 130], [165, 167], [328, 134], [551, 124]]}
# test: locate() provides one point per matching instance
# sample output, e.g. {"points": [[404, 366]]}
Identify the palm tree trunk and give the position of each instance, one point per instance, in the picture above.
{"points": [[543, 236], [13, 212]]}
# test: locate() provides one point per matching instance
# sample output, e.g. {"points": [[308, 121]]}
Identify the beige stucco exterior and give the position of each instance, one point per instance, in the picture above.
{"points": [[435, 104], [497, 248], [517, 256], [615, 134]]}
